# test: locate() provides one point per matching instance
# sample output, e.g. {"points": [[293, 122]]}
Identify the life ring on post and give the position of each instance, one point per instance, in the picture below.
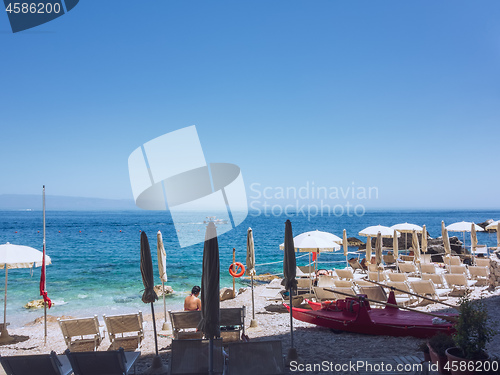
{"points": [[238, 266]]}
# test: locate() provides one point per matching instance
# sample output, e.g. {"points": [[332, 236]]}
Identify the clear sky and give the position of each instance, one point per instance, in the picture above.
{"points": [[399, 95]]}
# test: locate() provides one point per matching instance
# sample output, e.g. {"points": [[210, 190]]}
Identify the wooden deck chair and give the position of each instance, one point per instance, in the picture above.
{"points": [[398, 277], [321, 294], [402, 296], [426, 288], [483, 262], [304, 283], [81, 334], [185, 324], [481, 274], [457, 269], [377, 276], [342, 284], [45, 364], [190, 357], [345, 274], [115, 362], [255, 357], [376, 293], [232, 323], [437, 279], [407, 267], [326, 281], [458, 283], [125, 330]]}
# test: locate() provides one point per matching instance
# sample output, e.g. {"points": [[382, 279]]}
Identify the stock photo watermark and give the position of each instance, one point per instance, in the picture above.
{"points": [[363, 366], [310, 200]]}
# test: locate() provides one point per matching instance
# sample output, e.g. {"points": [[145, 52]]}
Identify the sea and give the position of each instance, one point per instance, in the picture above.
{"points": [[96, 254]]}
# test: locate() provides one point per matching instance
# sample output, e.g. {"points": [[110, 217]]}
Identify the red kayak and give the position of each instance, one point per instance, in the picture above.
{"points": [[354, 314]]}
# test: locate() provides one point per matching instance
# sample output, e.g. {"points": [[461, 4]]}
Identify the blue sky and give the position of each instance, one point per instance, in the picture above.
{"points": [[399, 95]]}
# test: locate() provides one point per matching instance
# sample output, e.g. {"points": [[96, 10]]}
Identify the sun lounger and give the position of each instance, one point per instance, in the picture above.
{"points": [[483, 262], [255, 357], [81, 334], [345, 274], [190, 357], [402, 296], [185, 324], [457, 269], [355, 265], [459, 283], [45, 364], [398, 277], [377, 276], [407, 267], [452, 260], [125, 330], [116, 362], [306, 271], [389, 259], [232, 323], [437, 279], [407, 258], [342, 284], [481, 274], [271, 294], [428, 268], [426, 288], [304, 283], [373, 267], [322, 294], [376, 293], [326, 281]]}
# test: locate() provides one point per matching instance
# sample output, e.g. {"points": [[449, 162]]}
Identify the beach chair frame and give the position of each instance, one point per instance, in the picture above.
{"points": [[190, 357], [115, 362], [45, 364], [81, 331], [124, 328]]}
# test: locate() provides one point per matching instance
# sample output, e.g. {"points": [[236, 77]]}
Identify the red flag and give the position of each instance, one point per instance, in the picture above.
{"points": [[314, 256], [43, 292]]}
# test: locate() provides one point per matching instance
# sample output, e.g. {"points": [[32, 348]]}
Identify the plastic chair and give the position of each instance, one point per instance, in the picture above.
{"points": [[45, 364]]}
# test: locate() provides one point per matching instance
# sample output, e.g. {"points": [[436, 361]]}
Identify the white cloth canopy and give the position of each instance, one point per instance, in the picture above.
{"points": [[407, 228], [374, 230], [463, 226], [19, 256], [314, 241], [493, 226]]}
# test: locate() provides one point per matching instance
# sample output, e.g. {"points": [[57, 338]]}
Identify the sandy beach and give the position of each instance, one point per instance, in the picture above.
{"points": [[314, 344]]}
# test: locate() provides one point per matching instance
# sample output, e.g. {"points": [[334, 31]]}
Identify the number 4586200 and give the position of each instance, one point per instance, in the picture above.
{"points": [[33, 8]]}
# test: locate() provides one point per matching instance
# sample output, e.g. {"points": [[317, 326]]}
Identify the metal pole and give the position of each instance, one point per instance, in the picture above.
{"points": [[5, 301], [164, 303], [211, 356], [44, 281], [234, 269], [253, 300]]}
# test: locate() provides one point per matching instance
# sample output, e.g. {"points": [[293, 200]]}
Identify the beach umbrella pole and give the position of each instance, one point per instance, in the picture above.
{"points": [[292, 352], [45, 280], [253, 322], [164, 304], [4, 337]]}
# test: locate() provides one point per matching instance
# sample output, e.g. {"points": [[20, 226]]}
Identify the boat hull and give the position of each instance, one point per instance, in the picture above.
{"points": [[353, 316]]}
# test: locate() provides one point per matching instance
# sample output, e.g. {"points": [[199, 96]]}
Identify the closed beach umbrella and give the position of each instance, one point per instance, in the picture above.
{"points": [[368, 250], [446, 242], [424, 239], [162, 268], [498, 235], [17, 256], [473, 240], [149, 296], [416, 247], [289, 273], [250, 271], [395, 245], [378, 249], [345, 245], [210, 286]]}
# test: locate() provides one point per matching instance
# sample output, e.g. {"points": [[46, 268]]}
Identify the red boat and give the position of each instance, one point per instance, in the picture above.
{"points": [[354, 314]]}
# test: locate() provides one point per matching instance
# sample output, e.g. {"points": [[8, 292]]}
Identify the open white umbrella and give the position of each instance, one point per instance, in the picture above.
{"points": [[463, 226], [407, 228], [493, 226], [162, 268], [17, 256], [374, 230]]}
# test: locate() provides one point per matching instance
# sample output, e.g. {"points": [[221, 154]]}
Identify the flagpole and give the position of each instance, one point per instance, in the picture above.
{"points": [[45, 280]]}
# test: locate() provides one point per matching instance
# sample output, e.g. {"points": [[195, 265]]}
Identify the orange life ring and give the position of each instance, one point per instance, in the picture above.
{"points": [[238, 266]]}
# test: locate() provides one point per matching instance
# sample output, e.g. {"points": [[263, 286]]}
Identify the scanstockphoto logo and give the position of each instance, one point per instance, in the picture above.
{"points": [[25, 15], [171, 171]]}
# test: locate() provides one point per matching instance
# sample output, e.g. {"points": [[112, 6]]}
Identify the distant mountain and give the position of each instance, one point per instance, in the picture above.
{"points": [[18, 202]]}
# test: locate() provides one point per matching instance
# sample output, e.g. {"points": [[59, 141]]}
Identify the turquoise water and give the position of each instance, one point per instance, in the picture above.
{"points": [[95, 255]]}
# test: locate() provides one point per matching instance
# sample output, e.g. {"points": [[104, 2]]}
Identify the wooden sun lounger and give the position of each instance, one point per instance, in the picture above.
{"points": [[402, 296], [407, 267], [82, 333], [190, 357], [426, 288], [41, 364], [437, 279], [125, 329], [256, 358], [481, 274], [116, 362]]}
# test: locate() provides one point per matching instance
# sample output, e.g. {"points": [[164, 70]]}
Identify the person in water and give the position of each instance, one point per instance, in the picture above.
{"points": [[192, 302]]}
